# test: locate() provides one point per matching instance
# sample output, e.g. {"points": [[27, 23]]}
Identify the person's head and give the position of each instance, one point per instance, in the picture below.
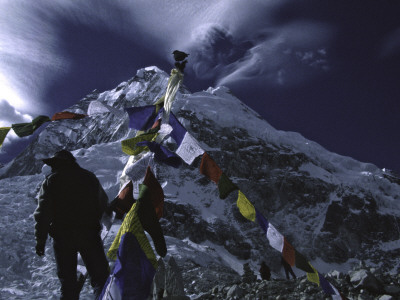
{"points": [[60, 159]]}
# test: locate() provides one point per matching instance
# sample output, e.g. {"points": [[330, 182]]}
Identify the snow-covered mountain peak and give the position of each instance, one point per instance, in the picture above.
{"points": [[333, 209]]}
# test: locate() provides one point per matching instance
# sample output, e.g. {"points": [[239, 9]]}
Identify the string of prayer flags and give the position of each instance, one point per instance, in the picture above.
{"points": [[25, 129], [3, 134], [209, 168], [156, 193], [188, 147], [245, 207], [293, 257], [142, 117], [161, 153], [130, 146], [225, 186], [67, 115], [174, 83]]}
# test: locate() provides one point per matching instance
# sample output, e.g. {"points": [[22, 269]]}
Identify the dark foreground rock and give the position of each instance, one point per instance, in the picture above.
{"points": [[360, 284]]}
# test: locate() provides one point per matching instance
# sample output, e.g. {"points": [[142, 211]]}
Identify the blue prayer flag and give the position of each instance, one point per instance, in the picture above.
{"points": [[143, 117], [178, 132], [162, 154], [325, 285], [132, 275], [262, 221]]}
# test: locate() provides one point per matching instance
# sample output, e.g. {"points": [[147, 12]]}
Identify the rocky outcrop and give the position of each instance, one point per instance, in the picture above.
{"points": [[360, 283]]}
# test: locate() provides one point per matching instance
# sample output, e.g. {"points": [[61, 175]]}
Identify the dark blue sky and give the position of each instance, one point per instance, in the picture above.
{"points": [[329, 70]]}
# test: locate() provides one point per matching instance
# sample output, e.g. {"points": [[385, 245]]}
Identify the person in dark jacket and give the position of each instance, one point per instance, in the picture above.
{"points": [[288, 269], [71, 204], [265, 272]]}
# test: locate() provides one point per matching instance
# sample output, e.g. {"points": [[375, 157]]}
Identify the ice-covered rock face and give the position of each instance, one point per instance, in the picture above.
{"points": [[148, 85], [333, 209]]}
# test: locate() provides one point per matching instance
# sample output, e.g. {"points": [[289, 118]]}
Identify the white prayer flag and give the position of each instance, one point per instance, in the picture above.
{"points": [[189, 149], [275, 238]]}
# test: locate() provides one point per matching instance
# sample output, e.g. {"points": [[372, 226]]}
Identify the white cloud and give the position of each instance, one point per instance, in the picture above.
{"points": [[229, 40], [9, 115], [289, 55]]}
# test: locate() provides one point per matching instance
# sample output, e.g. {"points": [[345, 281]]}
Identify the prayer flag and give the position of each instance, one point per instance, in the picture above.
{"points": [[132, 224], [148, 219], [174, 83], [67, 115], [3, 134], [188, 148], [302, 263], [133, 273], [288, 252], [209, 168], [143, 117], [245, 207], [162, 154], [325, 285], [225, 186], [275, 238], [313, 277], [136, 166], [261, 221], [124, 201], [25, 129], [156, 193], [130, 146]]}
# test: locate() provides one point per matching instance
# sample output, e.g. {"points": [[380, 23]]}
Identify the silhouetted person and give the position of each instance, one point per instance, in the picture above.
{"points": [[71, 204], [265, 272], [288, 269], [179, 55]]}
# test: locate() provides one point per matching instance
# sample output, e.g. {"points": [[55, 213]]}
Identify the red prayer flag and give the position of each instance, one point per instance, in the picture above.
{"points": [[124, 201], [156, 192], [209, 168], [66, 115], [288, 253]]}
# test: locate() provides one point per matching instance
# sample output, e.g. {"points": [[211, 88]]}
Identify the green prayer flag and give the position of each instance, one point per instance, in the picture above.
{"points": [[25, 129], [129, 146], [3, 134], [225, 186], [302, 263], [143, 189]]}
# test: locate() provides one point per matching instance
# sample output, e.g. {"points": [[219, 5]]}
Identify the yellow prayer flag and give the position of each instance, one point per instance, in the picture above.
{"points": [[313, 277], [132, 224], [3, 134], [129, 146], [245, 207]]}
